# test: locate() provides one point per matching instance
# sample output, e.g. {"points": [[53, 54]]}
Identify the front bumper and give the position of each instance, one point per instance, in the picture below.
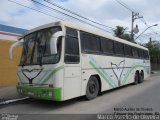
{"points": [[39, 92]]}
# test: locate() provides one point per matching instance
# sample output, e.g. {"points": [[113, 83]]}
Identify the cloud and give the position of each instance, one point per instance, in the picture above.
{"points": [[61, 0], [107, 12]]}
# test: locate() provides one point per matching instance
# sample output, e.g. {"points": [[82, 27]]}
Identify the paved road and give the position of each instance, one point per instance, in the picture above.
{"points": [[144, 97]]}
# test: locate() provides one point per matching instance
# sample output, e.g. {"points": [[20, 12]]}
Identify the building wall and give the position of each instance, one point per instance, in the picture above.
{"points": [[8, 68]]}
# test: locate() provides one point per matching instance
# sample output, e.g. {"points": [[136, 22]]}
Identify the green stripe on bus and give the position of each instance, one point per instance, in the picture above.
{"points": [[57, 94], [52, 73], [108, 81]]}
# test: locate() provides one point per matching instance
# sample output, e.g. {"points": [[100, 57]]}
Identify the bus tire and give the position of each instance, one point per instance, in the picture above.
{"points": [[92, 88], [141, 77], [136, 78]]}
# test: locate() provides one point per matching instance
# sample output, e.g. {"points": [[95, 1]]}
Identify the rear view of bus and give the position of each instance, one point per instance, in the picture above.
{"points": [[40, 72]]}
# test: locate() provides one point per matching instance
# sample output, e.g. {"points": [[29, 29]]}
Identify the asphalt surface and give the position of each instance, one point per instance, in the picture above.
{"points": [[142, 98], [8, 93]]}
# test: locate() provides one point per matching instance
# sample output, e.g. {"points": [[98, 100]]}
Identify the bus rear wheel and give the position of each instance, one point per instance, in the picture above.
{"points": [[136, 78], [92, 88], [141, 77]]}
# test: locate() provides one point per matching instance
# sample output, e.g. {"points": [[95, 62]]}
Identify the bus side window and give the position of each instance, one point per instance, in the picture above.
{"points": [[119, 48], [146, 54], [90, 43], [128, 50], [135, 52], [140, 53], [71, 47], [107, 46]]}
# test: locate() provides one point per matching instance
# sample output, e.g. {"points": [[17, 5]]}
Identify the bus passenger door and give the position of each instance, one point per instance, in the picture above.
{"points": [[72, 66]]}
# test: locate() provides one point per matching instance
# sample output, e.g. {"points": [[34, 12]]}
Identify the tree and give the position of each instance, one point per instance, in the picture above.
{"points": [[154, 50], [120, 32], [126, 37]]}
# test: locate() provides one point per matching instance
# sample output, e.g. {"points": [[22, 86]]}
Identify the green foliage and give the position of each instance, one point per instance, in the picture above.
{"points": [[120, 32], [126, 37], [154, 49]]}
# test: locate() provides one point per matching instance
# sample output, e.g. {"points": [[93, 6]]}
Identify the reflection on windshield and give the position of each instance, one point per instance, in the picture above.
{"points": [[36, 48]]}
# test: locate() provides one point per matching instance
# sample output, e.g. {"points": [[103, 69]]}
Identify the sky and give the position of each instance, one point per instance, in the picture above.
{"points": [[107, 12]]}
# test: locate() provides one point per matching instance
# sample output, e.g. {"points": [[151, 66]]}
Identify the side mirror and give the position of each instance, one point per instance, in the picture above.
{"points": [[19, 43], [53, 41]]}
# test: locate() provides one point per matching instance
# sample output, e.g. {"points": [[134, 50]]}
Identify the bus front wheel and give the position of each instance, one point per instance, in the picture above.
{"points": [[92, 88]]}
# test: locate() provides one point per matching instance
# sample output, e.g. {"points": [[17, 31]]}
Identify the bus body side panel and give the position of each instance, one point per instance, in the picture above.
{"points": [[147, 68], [104, 67], [132, 65], [72, 81], [72, 76], [113, 71]]}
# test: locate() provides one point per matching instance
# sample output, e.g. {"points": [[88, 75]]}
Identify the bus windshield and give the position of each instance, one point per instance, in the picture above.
{"points": [[36, 48]]}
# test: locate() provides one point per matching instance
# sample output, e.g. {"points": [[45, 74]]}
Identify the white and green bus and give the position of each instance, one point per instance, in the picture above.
{"points": [[64, 60]]}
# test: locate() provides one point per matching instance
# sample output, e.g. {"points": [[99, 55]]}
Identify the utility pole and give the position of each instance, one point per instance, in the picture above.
{"points": [[150, 41], [134, 17], [132, 37]]}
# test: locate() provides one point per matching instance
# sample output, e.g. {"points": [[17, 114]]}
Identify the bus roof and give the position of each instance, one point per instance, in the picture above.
{"points": [[85, 28]]}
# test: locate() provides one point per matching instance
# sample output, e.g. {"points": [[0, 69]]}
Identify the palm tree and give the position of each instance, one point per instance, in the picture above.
{"points": [[120, 32]]}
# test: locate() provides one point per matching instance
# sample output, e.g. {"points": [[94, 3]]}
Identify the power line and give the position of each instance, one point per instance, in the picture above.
{"points": [[134, 11], [69, 15], [144, 22], [16, 2], [149, 35], [128, 6], [151, 29], [124, 5], [74, 13], [152, 32], [142, 19]]}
